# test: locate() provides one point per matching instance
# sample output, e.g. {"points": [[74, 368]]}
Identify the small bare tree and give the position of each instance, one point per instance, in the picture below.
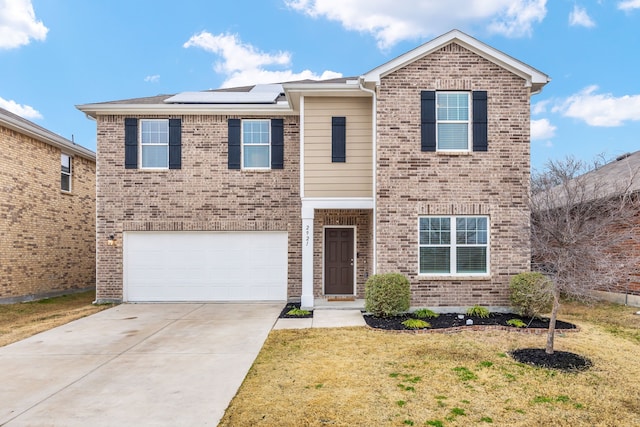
{"points": [[579, 217]]}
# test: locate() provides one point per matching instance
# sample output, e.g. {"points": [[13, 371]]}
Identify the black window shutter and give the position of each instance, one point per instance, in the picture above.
{"points": [[233, 160], [277, 144], [480, 140], [428, 120], [130, 143], [338, 139], [175, 143]]}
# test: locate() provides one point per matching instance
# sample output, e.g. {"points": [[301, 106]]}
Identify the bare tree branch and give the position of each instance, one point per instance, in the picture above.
{"points": [[580, 224]]}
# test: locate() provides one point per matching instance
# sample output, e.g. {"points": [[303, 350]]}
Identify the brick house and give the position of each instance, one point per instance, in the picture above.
{"points": [[304, 189], [47, 212]]}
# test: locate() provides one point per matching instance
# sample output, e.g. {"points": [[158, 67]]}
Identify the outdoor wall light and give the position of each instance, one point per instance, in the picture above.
{"points": [[112, 240]]}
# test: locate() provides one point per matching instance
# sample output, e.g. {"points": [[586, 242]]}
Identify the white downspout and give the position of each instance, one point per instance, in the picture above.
{"points": [[374, 136]]}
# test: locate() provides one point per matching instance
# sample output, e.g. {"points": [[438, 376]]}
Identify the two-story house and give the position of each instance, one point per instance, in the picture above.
{"points": [[302, 190], [47, 212]]}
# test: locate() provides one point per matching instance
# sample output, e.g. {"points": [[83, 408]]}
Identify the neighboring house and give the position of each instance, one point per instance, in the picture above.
{"points": [[303, 190], [47, 212], [621, 230]]}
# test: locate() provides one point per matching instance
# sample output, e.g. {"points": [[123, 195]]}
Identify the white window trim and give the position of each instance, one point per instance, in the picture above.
{"points": [[70, 173], [242, 166], [452, 245], [154, 144], [469, 123]]}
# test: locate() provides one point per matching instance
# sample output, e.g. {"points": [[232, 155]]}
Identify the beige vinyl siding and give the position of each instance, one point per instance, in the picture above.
{"points": [[322, 177]]}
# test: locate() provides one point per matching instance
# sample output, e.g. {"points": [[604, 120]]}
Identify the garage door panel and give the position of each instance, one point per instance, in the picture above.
{"points": [[205, 266]]}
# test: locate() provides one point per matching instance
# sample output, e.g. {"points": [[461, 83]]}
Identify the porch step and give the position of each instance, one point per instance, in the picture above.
{"points": [[338, 304]]}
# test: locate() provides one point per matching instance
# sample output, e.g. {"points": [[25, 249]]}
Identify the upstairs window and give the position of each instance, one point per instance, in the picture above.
{"points": [[454, 245], [256, 144], [452, 121], [65, 175], [154, 144]]}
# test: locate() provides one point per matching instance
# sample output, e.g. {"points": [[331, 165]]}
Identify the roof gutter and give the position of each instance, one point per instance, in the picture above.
{"points": [[374, 155], [95, 110]]}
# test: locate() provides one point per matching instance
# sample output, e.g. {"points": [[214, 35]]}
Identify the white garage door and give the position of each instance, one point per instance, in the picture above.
{"points": [[205, 266]]}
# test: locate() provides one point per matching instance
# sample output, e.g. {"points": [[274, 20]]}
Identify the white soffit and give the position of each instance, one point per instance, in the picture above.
{"points": [[259, 94]]}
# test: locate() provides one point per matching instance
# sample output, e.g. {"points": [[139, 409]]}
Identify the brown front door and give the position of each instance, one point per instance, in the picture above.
{"points": [[338, 261]]}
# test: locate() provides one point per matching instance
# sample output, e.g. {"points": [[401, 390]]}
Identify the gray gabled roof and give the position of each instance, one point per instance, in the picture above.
{"points": [[617, 178], [24, 126], [253, 99], [622, 174]]}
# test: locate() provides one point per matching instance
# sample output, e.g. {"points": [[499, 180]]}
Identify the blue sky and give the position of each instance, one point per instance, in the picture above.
{"points": [[55, 54]]}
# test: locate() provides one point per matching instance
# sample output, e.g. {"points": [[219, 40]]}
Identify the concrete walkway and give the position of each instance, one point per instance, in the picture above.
{"points": [[134, 365], [324, 318]]}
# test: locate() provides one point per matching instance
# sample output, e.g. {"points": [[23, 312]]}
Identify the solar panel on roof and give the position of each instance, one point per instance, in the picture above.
{"points": [[259, 94]]}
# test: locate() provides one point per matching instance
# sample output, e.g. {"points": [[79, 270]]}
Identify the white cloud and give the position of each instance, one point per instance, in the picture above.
{"points": [[519, 17], [629, 4], [18, 24], [539, 107], [152, 79], [600, 109], [25, 111], [542, 129], [391, 21], [243, 64], [580, 18]]}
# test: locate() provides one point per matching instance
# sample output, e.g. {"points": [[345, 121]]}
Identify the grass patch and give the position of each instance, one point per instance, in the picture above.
{"points": [[365, 373], [22, 320], [464, 374]]}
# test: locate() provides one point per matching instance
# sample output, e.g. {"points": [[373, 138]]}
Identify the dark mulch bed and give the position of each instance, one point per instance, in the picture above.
{"points": [[451, 320], [290, 306], [560, 360]]}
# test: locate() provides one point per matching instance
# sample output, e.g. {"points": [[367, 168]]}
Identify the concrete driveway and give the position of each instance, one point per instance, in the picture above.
{"points": [[134, 365]]}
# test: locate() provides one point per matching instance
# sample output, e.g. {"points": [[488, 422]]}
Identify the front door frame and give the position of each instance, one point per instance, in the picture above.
{"points": [[355, 256]]}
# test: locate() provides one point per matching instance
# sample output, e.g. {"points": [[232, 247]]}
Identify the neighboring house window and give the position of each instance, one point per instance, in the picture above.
{"points": [[256, 144], [154, 144], [453, 121], [65, 175], [454, 245]]}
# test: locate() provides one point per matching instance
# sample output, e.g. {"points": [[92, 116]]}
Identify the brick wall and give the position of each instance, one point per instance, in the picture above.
{"points": [[413, 183], [202, 195], [47, 237]]}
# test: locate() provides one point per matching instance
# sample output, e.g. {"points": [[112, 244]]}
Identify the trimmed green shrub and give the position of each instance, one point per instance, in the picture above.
{"points": [[478, 311], [425, 313], [516, 322], [416, 324], [530, 293], [387, 294], [298, 312]]}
